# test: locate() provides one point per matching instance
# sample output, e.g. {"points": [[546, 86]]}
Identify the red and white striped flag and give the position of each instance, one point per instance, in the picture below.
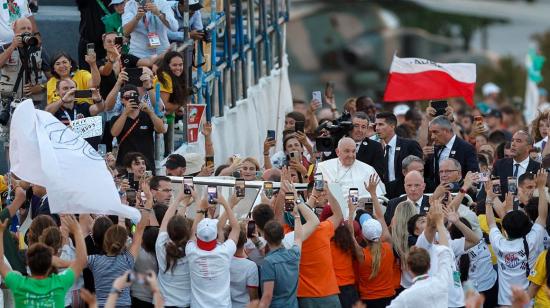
{"points": [[420, 79]]}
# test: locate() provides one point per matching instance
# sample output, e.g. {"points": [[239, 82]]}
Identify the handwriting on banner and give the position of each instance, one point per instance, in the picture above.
{"points": [[88, 127]]}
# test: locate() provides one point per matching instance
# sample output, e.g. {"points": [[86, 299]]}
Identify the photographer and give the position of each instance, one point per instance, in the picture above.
{"points": [[21, 65], [147, 21], [195, 21], [136, 125], [66, 110]]}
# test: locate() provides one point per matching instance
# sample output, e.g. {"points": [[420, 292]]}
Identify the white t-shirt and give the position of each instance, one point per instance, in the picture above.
{"points": [[456, 293], [209, 272], [244, 274], [10, 13], [175, 284], [512, 260], [481, 271]]}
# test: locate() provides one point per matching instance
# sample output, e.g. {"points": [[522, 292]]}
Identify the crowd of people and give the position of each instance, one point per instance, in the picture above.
{"points": [[414, 205]]}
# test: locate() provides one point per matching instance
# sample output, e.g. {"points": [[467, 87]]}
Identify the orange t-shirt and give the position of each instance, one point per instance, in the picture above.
{"points": [[397, 273], [317, 277], [381, 286], [343, 266], [287, 229]]}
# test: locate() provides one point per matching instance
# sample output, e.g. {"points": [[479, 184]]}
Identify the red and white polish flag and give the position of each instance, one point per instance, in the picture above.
{"points": [[420, 79]]}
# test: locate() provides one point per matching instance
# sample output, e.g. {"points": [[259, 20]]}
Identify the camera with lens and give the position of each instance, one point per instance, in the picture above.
{"points": [[28, 39], [207, 37], [8, 106], [337, 128]]}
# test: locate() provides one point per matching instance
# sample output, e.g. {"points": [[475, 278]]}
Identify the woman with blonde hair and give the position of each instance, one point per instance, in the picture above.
{"points": [[376, 260], [400, 239]]}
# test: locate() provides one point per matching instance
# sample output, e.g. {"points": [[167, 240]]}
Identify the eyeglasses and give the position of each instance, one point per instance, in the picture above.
{"points": [[127, 97], [447, 171]]}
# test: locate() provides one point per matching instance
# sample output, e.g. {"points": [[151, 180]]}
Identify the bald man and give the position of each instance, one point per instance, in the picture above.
{"points": [[414, 193], [348, 172]]}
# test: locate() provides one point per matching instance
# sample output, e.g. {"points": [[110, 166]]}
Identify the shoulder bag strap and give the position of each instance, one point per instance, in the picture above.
{"points": [[105, 10], [129, 131]]}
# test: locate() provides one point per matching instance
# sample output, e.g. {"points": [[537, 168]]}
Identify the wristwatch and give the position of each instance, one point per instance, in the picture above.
{"points": [[202, 212]]}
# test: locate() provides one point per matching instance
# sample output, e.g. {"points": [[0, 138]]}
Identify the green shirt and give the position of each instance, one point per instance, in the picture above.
{"points": [[48, 292]]}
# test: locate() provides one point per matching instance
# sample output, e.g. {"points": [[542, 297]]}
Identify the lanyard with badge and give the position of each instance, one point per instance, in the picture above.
{"points": [[154, 40], [69, 117]]}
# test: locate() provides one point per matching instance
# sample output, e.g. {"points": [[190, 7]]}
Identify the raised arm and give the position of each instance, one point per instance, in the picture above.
{"points": [[118, 125], [158, 124], [233, 222], [337, 215], [543, 202], [208, 144], [201, 212], [138, 236], [80, 261], [94, 70], [489, 205], [4, 268], [99, 105], [357, 249], [173, 208], [371, 188], [110, 101], [298, 232], [312, 221], [233, 201], [471, 237], [268, 144]]}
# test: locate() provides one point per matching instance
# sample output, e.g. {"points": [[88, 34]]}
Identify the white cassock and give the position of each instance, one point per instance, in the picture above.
{"points": [[349, 177]]}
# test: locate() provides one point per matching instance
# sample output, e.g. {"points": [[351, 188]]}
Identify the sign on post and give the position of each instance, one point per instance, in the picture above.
{"points": [[88, 127]]}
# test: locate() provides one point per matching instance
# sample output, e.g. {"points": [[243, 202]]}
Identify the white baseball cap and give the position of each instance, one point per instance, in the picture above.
{"points": [[490, 88], [113, 2], [372, 230], [194, 163], [207, 233], [400, 109]]}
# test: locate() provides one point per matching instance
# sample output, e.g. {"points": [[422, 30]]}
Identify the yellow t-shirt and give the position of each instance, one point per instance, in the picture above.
{"points": [[538, 277], [485, 229], [168, 88], [80, 77]]}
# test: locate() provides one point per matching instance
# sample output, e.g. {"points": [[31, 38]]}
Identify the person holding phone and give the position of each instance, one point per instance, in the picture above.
{"points": [[67, 110], [147, 26], [64, 67], [136, 125], [210, 260]]}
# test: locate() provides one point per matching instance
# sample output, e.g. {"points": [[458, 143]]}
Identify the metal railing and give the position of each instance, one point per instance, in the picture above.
{"points": [[246, 44]]}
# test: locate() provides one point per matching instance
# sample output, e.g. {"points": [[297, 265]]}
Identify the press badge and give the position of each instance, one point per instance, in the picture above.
{"points": [[154, 40]]}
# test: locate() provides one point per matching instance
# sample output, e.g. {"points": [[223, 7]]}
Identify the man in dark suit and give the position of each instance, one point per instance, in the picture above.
{"points": [[414, 188], [396, 149], [447, 145], [520, 162], [367, 150]]}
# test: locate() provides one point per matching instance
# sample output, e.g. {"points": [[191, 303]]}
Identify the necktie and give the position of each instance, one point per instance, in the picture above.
{"points": [[417, 207], [387, 157], [516, 170], [542, 146]]}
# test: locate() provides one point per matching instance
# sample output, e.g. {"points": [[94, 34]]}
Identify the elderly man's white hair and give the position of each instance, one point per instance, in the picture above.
{"points": [[345, 140]]}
